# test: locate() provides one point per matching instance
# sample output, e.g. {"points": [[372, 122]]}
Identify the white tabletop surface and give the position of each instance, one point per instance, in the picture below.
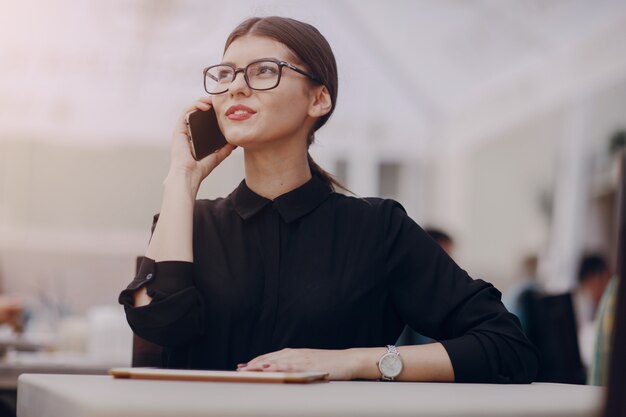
{"points": [[98, 396], [15, 364], [10, 373]]}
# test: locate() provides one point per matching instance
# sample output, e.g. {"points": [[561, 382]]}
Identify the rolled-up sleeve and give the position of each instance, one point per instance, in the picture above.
{"points": [[175, 314], [437, 298]]}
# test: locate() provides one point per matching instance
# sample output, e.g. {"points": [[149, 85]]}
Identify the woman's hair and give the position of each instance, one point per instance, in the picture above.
{"points": [[312, 50]]}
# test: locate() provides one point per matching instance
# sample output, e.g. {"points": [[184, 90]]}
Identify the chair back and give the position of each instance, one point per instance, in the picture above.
{"points": [[552, 328]]}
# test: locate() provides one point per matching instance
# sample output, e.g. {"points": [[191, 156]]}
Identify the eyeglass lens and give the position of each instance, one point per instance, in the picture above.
{"points": [[262, 75]]}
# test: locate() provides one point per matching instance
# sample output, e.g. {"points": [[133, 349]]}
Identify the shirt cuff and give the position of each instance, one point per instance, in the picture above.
{"points": [[469, 359], [161, 279]]}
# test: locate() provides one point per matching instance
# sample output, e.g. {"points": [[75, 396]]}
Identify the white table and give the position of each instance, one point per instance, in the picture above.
{"points": [[10, 373], [13, 365], [100, 396]]}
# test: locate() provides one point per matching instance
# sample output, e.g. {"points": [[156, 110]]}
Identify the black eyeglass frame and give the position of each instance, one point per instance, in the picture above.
{"points": [[244, 70]]}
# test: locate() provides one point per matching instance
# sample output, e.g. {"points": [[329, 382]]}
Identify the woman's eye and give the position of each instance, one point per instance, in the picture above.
{"points": [[223, 75], [265, 70]]}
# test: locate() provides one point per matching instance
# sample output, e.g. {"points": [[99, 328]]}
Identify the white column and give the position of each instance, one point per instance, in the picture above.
{"points": [[448, 189], [558, 268], [412, 188], [363, 164]]}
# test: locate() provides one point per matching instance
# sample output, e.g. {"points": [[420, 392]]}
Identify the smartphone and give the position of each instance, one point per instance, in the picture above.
{"points": [[204, 133]]}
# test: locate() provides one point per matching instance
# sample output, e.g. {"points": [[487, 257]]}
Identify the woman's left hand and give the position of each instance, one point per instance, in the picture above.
{"points": [[340, 364]]}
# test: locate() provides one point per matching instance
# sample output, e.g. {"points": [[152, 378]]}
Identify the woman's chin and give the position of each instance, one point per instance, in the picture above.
{"points": [[237, 137], [243, 141], [239, 141]]}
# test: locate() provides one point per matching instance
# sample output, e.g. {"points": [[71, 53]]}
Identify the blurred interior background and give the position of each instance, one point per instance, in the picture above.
{"points": [[489, 119]]}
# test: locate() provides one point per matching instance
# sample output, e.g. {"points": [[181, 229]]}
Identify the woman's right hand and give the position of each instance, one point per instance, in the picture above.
{"points": [[172, 239], [182, 161]]}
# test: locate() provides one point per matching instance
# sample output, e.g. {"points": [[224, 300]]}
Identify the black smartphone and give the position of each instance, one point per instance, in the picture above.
{"points": [[204, 133]]}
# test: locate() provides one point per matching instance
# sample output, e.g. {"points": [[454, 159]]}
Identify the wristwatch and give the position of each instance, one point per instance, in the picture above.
{"points": [[390, 364]]}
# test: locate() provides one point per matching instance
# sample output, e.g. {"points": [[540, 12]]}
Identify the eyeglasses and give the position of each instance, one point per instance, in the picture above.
{"points": [[261, 75]]}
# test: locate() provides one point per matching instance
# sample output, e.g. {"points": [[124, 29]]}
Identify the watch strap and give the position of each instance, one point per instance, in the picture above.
{"points": [[391, 350]]}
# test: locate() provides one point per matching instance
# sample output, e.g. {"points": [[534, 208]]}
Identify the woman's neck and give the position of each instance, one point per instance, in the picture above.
{"points": [[273, 172]]}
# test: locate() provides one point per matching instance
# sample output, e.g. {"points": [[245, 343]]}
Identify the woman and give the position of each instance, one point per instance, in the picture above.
{"points": [[284, 274]]}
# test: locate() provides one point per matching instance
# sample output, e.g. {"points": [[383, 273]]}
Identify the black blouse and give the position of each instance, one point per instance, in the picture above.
{"points": [[317, 269]]}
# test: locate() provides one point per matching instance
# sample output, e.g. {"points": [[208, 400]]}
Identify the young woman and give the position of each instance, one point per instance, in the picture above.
{"points": [[284, 274]]}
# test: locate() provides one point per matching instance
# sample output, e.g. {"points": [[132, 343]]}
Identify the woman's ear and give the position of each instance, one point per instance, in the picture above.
{"points": [[321, 102]]}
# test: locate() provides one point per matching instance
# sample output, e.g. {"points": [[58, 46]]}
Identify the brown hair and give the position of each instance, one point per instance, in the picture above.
{"points": [[311, 48]]}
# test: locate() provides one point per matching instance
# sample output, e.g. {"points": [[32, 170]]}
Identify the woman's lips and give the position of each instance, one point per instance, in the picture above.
{"points": [[239, 112]]}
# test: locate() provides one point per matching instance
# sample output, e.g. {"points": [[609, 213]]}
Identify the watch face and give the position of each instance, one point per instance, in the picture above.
{"points": [[390, 365]]}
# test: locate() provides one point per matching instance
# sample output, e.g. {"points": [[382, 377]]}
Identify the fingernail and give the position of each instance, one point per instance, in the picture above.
{"points": [[241, 365], [266, 365]]}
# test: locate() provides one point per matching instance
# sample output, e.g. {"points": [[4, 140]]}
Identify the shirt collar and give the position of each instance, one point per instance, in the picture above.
{"points": [[291, 205]]}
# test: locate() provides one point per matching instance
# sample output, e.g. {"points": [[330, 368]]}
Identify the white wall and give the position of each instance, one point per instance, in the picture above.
{"points": [[493, 196], [73, 219]]}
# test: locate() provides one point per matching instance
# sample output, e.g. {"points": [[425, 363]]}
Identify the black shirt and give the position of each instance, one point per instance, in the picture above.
{"points": [[317, 269]]}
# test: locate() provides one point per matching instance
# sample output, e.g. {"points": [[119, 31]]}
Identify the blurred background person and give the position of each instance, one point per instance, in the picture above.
{"points": [[593, 277], [519, 300], [442, 238], [605, 316]]}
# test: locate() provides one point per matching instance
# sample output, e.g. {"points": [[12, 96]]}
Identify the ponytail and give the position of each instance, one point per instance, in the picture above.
{"points": [[325, 176]]}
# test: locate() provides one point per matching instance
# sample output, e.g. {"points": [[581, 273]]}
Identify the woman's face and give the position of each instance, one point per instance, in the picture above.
{"points": [[271, 116]]}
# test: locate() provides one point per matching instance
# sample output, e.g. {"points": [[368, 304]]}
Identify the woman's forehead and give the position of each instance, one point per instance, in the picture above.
{"points": [[248, 48]]}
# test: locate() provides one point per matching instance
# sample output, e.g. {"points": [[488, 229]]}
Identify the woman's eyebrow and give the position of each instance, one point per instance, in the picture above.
{"points": [[256, 59]]}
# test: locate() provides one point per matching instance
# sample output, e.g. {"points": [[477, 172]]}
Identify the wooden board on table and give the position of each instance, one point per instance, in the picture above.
{"points": [[218, 376]]}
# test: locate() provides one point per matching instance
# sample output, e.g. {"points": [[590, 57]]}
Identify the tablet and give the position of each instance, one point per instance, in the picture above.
{"points": [[219, 376]]}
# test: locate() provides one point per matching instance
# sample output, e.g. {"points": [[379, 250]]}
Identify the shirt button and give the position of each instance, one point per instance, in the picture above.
{"points": [[148, 277]]}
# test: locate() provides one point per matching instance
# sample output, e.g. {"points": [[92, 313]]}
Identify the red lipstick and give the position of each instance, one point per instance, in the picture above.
{"points": [[239, 112]]}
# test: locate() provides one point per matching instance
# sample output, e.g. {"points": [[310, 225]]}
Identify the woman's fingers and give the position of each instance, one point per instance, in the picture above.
{"points": [[181, 152], [224, 152], [206, 99], [201, 104], [209, 163], [339, 364], [274, 361]]}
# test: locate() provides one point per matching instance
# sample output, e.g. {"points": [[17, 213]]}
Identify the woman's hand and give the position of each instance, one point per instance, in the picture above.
{"points": [[429, 362], [182, 161], [340, 364]]}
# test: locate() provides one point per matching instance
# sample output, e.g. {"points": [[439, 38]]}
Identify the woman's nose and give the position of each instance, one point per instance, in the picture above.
{"points": [[239, 84]]}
